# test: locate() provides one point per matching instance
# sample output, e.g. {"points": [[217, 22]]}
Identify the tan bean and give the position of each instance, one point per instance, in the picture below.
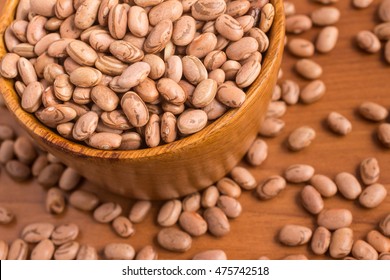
{"points": [[361, 4], [312, 92], [6, 151], [217, 222], [290, 92], [26, 71], [169, 213], [135, 109], [242, 48], [183, 30], [69, 180], [139, 211], [192, 223], [271, 187], [295, 257], [271, 127], [383, 134], [297, 24], [85, 126], [55, 115], [50, 175], [24, 150], [368, 41], [53, 24], [18, 250], [230, 206], [308, 69], [55, 201], [378, 241], [86, 14], [267, 17], [384, 10], [36, 29], [3, 250], [246, 22], [338, 123], [348, 185], [299, 173], [230, 95], [83, 200], [191, 202], [260, 37], [152, 131], [67, 251], [312, 200], [10, 40], [39, 164], [294, 235], [204, 93], [35, 232], [335, 218], [174, 240], [85, 77], [382, 31], [320, 241], [325, 16], [8, 65], [64, 9], [215, 109], [17, 170], [229, 27], [159, 36], [87, 252], [64, 233], [123, 227], [373, 195], [117, 21], [168, 127], [211, 254], [300, 47], [384, 225], [171, 10], [231, 67], [147, 253], [130, 141], [324, 185], [301, 138], [373, 111], [243, 178], [119, 251], [193, 69], [248, 73], [327, 39], [361, 250], [228, 187], [209, 197], [341, 243], [208, 10], [202, 45], [257, 152], [191, 121], [107, 212], [369, 170], [6, 132]]}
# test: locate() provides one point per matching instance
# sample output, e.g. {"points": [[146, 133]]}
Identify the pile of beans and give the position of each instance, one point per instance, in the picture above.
{"points": [[132, 74], [210, 211]]}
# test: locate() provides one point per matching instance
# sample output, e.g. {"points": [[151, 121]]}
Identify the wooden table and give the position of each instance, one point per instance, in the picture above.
{"points": [[351, 77]]}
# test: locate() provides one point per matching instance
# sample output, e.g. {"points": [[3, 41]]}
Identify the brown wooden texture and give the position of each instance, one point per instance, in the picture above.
{"points": [[179, 168], [351, 77]]}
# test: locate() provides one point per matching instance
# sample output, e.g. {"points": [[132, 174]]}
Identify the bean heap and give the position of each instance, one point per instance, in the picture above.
{"points": [[327, 233], [133, 74]]}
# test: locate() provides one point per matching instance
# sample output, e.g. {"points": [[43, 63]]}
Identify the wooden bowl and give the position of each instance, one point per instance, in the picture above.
{"points": [[171, 170]]}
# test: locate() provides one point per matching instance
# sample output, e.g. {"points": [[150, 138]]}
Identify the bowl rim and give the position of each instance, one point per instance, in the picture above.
{"points": [[33, 125]]}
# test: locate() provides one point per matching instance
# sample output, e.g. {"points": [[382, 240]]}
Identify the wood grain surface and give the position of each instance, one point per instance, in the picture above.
{"points": [[351, 77]]}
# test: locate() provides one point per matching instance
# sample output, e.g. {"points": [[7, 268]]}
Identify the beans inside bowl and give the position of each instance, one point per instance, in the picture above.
{"points": [[129, 75]]}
